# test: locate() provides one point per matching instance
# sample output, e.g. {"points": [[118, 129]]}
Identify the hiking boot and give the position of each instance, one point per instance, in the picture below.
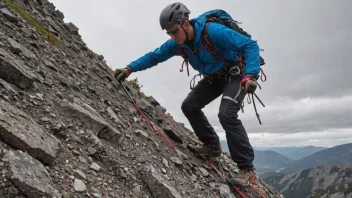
{"points": [[243, 178], [206, 149]]}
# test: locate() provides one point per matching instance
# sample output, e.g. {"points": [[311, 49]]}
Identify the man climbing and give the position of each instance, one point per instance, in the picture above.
{"points": [[222, 76]]}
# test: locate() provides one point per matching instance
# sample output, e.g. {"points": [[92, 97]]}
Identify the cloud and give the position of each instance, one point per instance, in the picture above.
{"points": [[292, 116], [327, 138]]}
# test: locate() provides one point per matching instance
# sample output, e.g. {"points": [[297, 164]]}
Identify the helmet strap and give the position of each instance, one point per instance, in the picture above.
{"points": [[185, 33]]}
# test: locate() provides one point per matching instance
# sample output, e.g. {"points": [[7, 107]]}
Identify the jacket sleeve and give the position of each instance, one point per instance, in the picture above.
{"points": [[229, 39], [150, 59]]}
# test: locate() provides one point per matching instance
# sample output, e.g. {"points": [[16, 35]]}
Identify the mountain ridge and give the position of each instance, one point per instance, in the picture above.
{"points": [[333, 155], [322, 181]]}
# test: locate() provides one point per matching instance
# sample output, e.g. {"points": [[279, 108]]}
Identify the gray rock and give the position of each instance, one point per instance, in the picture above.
{"points": [[114, 117], [51, 66], [91, 119], [18, 48], [158, 186], [166, 163], [8, 87], [137, 191], [29, 175], [15, 71], [152, 101], [163, 170], [96, 195], [79, 185], [95, 166], [22, 132], [145, 134], [60, 14], [223, 190], [92, 140], [203, 171], [8, 15], [173, 134], [72, 28], [176, 160]]}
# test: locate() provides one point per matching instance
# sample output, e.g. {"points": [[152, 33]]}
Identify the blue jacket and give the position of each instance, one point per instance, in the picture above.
{"points": [[226, 41]]}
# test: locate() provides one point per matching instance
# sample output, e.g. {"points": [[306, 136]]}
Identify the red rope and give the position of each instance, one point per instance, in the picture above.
{"points": [[238, 191], [95, 73], [176, 125], [154, 127]]}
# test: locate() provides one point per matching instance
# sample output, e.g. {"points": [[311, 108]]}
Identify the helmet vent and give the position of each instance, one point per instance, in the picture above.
{"points": [[171, 16], [178, 7]]}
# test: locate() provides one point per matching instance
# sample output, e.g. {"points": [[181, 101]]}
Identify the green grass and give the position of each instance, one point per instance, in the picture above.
{"points": [[33, 22]]}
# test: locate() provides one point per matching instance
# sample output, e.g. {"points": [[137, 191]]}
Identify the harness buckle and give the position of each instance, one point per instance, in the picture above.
{"points": [[235, 70]]}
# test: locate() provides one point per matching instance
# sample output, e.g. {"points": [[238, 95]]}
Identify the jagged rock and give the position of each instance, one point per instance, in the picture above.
{"points": [[152, 100], [72, 28], [17, 48], [15, 71], [137, 191], [92, 120], [173, 134], [157, 185], [8, 87], [80, 173], [60, 14], [29, 175], [91, 139], [22, 132], [95, 166], [113, 116], [145, 134], [176, 160], [51, 65], [8, 15], [203, 171], [2, 4], [224, 190]]}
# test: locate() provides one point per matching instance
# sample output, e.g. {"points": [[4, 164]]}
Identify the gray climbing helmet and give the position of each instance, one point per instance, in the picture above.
{"points": [[172, 14]]}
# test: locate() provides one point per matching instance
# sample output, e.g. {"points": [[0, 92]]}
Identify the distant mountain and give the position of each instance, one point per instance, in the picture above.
{"points": [[281, 150], [337, 154], [293, 152], [304, 152], [264, 161], [268, 160], [323, 181]]}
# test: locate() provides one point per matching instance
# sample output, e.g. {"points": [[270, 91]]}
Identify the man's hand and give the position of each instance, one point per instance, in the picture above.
{"points": [[121, 74], [249, 84]]}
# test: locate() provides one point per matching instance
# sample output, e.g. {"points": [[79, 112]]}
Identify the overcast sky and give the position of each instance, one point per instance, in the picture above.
{"points": [[307, 48]]}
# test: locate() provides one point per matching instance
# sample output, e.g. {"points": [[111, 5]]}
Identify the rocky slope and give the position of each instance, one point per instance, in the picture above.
{"points": [[333, 181], [67, 129]]}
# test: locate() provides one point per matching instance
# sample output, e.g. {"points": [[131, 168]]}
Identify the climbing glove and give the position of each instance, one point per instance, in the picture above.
{"points": [[122, 74], [249, 84]]}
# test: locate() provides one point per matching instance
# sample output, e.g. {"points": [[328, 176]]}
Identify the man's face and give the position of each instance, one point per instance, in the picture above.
{"points": [[177, 34]]}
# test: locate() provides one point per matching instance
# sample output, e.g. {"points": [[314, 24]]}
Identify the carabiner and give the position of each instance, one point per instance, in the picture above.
{"points": [[235, 70]]}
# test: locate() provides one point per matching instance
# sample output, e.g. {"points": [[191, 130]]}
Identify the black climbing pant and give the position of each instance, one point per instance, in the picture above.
{"points": [[201, 95]]}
